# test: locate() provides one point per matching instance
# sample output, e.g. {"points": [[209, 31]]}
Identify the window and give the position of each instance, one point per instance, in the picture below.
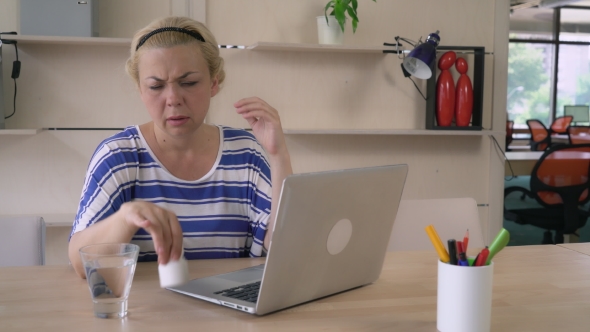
{"points": [[548, 62]]}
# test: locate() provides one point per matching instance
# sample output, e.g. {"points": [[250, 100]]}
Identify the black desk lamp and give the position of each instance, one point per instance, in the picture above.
{"points": [[419, 61]]}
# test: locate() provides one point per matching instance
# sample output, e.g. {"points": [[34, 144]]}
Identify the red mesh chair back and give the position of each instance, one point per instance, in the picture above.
{"points": [[562, 178], [509, 131], [560, 125], [579, 134], [560, 183], [540, 138]]}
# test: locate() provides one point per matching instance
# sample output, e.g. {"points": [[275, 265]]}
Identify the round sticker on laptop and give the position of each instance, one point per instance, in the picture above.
{"points": [[339, 236]]}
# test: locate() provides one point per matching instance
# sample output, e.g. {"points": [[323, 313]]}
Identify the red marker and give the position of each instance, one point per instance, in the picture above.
{"points": [[466, 240], [461, 253], [482, 257]]}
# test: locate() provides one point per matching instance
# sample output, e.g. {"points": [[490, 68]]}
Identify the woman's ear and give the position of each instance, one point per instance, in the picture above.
{"points": [[214, 86]]}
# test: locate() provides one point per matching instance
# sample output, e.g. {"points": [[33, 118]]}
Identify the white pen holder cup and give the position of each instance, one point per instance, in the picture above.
{"points": [[464, 298]]}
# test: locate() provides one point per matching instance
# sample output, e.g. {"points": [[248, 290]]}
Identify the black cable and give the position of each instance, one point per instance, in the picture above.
{"points": [[508, 160], [15, 74], [417, 88], [13, 101]]}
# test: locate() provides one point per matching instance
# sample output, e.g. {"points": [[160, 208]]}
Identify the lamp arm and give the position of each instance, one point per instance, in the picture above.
{"points": [[409, 41], [397, 45]]}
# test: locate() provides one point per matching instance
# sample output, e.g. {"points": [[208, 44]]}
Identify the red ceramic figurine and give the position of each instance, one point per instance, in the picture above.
{"points": [[445, 90], [464, 95]]}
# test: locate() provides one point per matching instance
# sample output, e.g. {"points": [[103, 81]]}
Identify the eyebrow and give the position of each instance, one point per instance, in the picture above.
{"points": [[181, 77]]}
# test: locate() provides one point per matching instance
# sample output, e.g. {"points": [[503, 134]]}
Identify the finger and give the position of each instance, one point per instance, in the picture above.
{"points": [[257, 105], [138, 220], [251, 120], [164, 254], [245, 101], [252, 107], [155, 230], [152, 219], [260, 114], [176, 234]]}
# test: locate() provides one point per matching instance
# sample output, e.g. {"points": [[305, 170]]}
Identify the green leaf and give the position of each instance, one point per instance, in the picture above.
{"points": [[355, 19], [328, 5], [352, 14], [339, 10]]}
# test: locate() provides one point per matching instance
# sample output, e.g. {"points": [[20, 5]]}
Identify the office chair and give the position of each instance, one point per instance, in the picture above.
{"points": [[540, 136], [451, 217], [578, 134], [560, 124], [509, 131], [22, 241], [559, 183]]}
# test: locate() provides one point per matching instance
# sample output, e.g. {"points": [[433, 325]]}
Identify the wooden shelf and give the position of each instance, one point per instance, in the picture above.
{"points": [[51, 219], [260, 46], [57, 40], [267, 46], [20, 131], [393, 132], [59, 219]]}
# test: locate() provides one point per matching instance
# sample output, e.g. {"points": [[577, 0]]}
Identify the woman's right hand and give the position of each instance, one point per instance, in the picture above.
{"points": [[160, 223]]}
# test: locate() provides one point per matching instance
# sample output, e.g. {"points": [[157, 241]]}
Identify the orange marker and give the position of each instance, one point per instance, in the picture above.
{"points": [[437, 243]]}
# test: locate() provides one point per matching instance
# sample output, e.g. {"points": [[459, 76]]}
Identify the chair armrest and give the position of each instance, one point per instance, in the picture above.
{"points": [[525, 191], [508, 215]]}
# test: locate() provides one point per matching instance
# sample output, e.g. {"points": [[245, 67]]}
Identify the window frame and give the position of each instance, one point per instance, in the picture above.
{"points": [[556, 42]]}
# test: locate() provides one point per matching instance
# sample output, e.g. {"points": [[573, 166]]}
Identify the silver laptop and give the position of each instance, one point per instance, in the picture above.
{"points": [[330, 236]]}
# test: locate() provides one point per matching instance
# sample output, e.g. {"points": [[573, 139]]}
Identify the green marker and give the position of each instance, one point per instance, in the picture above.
{"points": [[498, 244]]}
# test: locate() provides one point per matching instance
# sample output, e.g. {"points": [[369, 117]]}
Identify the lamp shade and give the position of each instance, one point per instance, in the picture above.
{"points": [[418, 62]]}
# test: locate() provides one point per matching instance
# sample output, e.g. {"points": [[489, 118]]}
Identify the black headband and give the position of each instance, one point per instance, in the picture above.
{"points": [[196, 35]]}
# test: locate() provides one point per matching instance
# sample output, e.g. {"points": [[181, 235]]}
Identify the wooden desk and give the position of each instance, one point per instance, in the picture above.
{"points": [[522, 162], [536, 288], [560, 139], [582, 247], [555, 138]]}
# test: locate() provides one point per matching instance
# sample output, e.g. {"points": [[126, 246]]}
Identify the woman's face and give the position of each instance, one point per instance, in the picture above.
{"points": [[176, 88]]}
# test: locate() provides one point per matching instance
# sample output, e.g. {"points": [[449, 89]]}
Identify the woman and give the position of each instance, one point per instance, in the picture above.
{"points": [[176, 182]]}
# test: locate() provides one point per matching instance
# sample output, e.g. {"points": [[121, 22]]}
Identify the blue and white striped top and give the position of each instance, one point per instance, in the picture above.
{"points": [[224, 214]]}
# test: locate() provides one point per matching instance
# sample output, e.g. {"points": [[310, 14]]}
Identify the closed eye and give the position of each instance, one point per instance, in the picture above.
{"points": [[155, 87], [188, 83]]}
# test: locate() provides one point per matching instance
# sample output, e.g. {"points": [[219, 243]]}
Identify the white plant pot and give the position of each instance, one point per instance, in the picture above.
{"points": [[329, 33]]}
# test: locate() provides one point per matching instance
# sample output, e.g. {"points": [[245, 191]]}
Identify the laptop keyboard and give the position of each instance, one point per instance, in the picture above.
{"points": [[248, 292]]}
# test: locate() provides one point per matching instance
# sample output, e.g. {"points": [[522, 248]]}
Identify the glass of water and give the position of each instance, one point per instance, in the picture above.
{"points": [[109, 271]]}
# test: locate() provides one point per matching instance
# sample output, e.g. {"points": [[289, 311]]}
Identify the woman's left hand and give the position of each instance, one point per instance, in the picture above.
{"points": [[265, 123]]}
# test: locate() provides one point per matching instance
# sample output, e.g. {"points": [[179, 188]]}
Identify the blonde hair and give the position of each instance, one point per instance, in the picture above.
{"points": [[166, 39]]}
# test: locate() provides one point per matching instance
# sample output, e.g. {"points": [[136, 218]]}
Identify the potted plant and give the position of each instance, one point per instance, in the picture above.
{"points": [[339, 10], [331, 26]]}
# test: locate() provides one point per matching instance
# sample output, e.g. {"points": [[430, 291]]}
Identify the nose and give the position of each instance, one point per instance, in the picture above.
{"points": [[173, 96]]}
